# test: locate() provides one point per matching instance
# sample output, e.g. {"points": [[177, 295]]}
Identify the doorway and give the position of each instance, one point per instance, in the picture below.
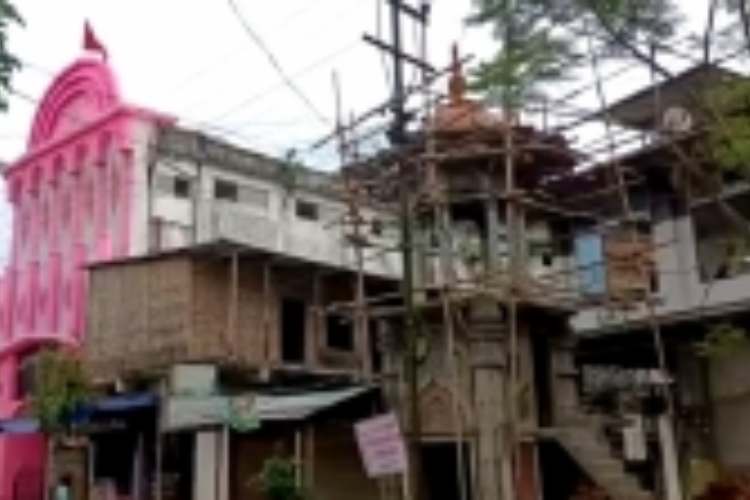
{"points": [[542, 355], [293, 320], [440, 471]]}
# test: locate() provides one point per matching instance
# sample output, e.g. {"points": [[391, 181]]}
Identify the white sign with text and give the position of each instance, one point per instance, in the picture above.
{"points": [[381, 445]]}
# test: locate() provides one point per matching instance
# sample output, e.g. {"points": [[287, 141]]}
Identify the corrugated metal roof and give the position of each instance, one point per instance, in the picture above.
{"points": [[303, 406]]}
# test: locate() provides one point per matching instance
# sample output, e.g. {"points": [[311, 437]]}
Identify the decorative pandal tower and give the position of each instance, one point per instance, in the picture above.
{"points": [[493, 349]]}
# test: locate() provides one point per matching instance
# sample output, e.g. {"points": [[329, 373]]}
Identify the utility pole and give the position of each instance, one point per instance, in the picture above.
{"points": [[397, 135]]}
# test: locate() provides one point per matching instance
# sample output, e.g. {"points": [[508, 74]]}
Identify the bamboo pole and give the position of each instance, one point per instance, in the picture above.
{"points": [[233, 303], [443, 219], [298, 458], [669, 457], [266, 313], [159, 459], [514, 238], [361, 316]]}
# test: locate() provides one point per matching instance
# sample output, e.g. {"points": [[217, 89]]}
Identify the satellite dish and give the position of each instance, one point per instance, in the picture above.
{"points": [[677, 120]]}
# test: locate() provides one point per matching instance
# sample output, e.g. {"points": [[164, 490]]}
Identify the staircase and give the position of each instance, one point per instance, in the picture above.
{"points": [[588, 447]]}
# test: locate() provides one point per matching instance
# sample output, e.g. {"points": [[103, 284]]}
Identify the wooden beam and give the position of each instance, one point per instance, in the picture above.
{"points": [[267, 333], [388, 48], [233, 303]]}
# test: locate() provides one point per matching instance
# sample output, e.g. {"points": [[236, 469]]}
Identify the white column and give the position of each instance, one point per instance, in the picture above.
{"points": [[205, 477], [670, 465]]}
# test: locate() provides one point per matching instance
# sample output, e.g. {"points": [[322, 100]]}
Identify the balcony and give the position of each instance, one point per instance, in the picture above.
{"points": [[321, 241]]}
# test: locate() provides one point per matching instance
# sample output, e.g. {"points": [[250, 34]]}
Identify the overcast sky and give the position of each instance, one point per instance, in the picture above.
{"points": [[192, 58]]}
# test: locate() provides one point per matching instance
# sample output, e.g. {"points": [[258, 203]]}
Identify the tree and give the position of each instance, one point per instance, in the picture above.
{"points": [[542, 40], [60, 387], [741, 8], [9, 63]]}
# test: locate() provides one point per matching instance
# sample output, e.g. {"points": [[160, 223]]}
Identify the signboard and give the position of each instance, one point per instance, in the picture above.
{"points": [[381, 445], [243, 414], [239, 413], [191, 412]]}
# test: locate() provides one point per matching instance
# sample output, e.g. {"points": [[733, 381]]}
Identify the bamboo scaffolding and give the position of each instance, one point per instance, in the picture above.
{"points": [[505, 285]]}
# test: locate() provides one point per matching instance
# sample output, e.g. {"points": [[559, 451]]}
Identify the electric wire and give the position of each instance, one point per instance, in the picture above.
{"points": [[221, 60], [276, 64]]}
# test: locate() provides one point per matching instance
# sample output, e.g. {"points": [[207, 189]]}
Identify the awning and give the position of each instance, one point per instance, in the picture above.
{"points": [[19, 426], [182, 413], [303, 406], [125, 402], [111, 405]]}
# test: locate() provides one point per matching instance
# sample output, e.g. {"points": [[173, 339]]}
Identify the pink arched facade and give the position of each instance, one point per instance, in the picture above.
{"points": [[73, 195]]}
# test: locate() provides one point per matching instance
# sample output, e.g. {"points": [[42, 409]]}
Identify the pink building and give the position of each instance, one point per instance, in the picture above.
{"points": [[74, 202]]}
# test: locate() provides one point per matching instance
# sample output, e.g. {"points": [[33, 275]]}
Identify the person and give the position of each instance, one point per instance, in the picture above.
{"points": [[64, 488]]}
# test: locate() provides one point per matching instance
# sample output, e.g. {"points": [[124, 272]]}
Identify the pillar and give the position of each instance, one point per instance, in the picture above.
{"points": [[564, 383], [488, 360]]}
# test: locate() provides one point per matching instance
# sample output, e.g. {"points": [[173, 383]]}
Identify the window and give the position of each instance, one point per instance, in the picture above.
{"points": [[182, 187], [307, 210], [589, 259], [377, 227], [547, 259], [226, 190], [339, 333]]}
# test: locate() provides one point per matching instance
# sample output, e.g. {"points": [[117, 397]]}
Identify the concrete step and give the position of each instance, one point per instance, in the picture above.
{"points": [[594, 455]]}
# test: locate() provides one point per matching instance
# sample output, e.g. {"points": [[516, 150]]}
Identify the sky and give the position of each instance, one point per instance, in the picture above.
{"points": [[194, 60]]}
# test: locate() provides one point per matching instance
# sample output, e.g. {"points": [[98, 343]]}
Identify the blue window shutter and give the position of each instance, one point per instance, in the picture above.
{"points": [[589, 256]]}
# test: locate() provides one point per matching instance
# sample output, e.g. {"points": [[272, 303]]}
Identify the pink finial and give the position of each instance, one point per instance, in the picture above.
{"points": [[91, 41]]}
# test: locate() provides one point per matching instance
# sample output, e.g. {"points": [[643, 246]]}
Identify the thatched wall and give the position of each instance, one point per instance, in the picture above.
{"points": [[148, 314], [138, 315]]}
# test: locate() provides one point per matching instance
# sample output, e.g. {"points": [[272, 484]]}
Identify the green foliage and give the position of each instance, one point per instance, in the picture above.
{"points": [[278, 481], [729, 137], [9, 63], [722, 340], [60, 387], [543, 40]]}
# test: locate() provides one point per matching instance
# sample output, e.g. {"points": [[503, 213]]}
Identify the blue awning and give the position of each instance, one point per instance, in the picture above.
{"points": [[111, 405], [124, 403], [19, 426]]}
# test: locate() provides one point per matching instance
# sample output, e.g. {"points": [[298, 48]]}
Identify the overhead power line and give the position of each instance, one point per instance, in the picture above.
{"points": [[275, 63], [220, 61], [315, 65]]}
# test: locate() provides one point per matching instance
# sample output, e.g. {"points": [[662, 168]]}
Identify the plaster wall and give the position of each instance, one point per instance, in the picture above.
{"points": [[264, 217], [729, 378], [681, 293]]}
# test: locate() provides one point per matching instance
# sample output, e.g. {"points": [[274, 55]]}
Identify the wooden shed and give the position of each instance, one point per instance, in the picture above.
{"points": [[220, 304]]}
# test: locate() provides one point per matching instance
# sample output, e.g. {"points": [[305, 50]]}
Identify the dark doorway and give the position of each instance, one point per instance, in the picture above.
{"points": [[560, 474], [440, 471], [542, 378], [113, 461], [293, 315], [177, 466]]}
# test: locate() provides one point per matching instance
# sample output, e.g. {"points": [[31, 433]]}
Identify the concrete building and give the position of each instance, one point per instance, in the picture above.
{"points": [[690, 213], [103, 181]]}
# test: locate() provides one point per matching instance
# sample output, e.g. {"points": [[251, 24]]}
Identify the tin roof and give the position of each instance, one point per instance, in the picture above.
{"points": [[643, 109]]}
